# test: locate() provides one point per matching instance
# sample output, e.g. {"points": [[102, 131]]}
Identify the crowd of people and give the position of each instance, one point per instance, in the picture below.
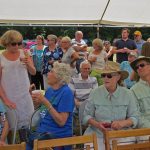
{"points": [[117, 94]]}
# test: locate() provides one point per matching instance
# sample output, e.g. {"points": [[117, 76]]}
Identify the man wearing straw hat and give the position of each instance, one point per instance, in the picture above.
{"points": [[141, 89]]}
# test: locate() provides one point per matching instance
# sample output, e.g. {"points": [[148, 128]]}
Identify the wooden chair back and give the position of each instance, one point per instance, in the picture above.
{"points": [[21, 146], [133, 146], [108, 135], [85, 139]]}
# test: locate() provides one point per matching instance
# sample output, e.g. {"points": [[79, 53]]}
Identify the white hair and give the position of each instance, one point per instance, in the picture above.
{"points": [[85, 62], [63, 72]]}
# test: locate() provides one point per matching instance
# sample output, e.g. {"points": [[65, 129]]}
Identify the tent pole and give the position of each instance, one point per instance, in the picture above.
{"points": [[98, 31], [98, 35]]}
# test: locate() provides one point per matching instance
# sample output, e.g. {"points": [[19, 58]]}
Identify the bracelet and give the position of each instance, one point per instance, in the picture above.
{"points": [[49, 108]]}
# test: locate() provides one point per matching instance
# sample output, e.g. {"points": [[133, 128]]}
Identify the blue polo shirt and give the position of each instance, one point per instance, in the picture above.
{"points": [[130, 44], [63, 101]]}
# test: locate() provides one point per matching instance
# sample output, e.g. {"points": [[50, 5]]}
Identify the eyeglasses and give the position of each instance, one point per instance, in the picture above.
{"points": [[14, 43], [108, 75], [142, 65], [86, 68]]}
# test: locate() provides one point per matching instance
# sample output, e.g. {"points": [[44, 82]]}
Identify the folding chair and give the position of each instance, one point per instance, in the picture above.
{"points": [[76, 140], [81, 111], [135, 146], [35, 118], [21, 146], [112, 134], [14, 122]]}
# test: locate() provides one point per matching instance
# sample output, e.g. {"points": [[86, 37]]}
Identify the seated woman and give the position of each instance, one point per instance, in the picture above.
{"points": [[110, 105], [59, 101]]}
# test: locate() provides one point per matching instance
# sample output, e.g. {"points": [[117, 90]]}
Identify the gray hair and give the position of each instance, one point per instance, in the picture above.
{"points": [[79, 32], [98, 42], [66, 38], [84, 63], [63, 72], [53, 37]]}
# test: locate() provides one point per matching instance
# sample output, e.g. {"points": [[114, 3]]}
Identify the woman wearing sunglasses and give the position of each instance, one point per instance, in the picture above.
{"points": [[141, 89], [110, 106], [14, 67]]}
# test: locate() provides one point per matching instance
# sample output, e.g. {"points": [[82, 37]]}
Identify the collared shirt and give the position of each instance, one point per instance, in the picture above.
{"points": [[139, 45], [82, 88], [141, 91], [130, 44], [104, 107]]}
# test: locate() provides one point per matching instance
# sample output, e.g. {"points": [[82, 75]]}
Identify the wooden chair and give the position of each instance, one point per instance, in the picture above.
{"points": [[21, 146], [135, 146], [109, 135], [49, 144]]}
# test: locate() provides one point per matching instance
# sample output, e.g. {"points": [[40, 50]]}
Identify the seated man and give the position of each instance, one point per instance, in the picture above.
{"points": [[83, 83]]}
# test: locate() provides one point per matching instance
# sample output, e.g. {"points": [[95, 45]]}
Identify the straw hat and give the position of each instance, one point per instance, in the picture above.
{"points": [[134, 63], [112, 67]]}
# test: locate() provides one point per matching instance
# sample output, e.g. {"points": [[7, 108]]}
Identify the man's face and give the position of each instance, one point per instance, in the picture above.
{"points": [[78, 36], [85, 70], [125, 34], [137, 37], [143, 68]]}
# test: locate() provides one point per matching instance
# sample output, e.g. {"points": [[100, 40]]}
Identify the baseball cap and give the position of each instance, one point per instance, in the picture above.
{"points": [[137, 33]]}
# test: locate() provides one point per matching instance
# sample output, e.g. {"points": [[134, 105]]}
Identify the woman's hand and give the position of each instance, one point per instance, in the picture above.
{"points": [[117, 125], [10, 104], [103, 126], [38, 98], [32, 88]]}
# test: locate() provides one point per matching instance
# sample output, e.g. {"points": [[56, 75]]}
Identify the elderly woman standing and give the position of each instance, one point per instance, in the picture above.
{"points": [[69, 54], [37, 56], [14, 67], [98, 56], [59, 102], [110, 105], [51, 54]]}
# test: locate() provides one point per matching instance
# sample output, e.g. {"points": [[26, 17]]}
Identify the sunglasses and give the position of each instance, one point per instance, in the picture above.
{"points": [[14, 43], [142, 65], [108, 75]]}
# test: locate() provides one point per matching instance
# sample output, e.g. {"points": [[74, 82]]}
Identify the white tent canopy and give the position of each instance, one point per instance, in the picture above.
{"points": [[118, 12]]}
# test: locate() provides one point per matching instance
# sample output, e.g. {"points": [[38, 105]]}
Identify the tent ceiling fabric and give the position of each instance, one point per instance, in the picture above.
{"points": [[119, 12]]}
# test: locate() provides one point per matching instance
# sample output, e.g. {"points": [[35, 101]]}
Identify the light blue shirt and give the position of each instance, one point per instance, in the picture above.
{"points": [[125, 65], [104, 107], [141, 91]]}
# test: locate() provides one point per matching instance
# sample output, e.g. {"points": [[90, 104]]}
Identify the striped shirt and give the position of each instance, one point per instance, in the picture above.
{"points": [[82, 88]]}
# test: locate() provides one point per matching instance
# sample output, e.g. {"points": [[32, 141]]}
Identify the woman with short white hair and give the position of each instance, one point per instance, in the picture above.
{"points": [[59, 103]]}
